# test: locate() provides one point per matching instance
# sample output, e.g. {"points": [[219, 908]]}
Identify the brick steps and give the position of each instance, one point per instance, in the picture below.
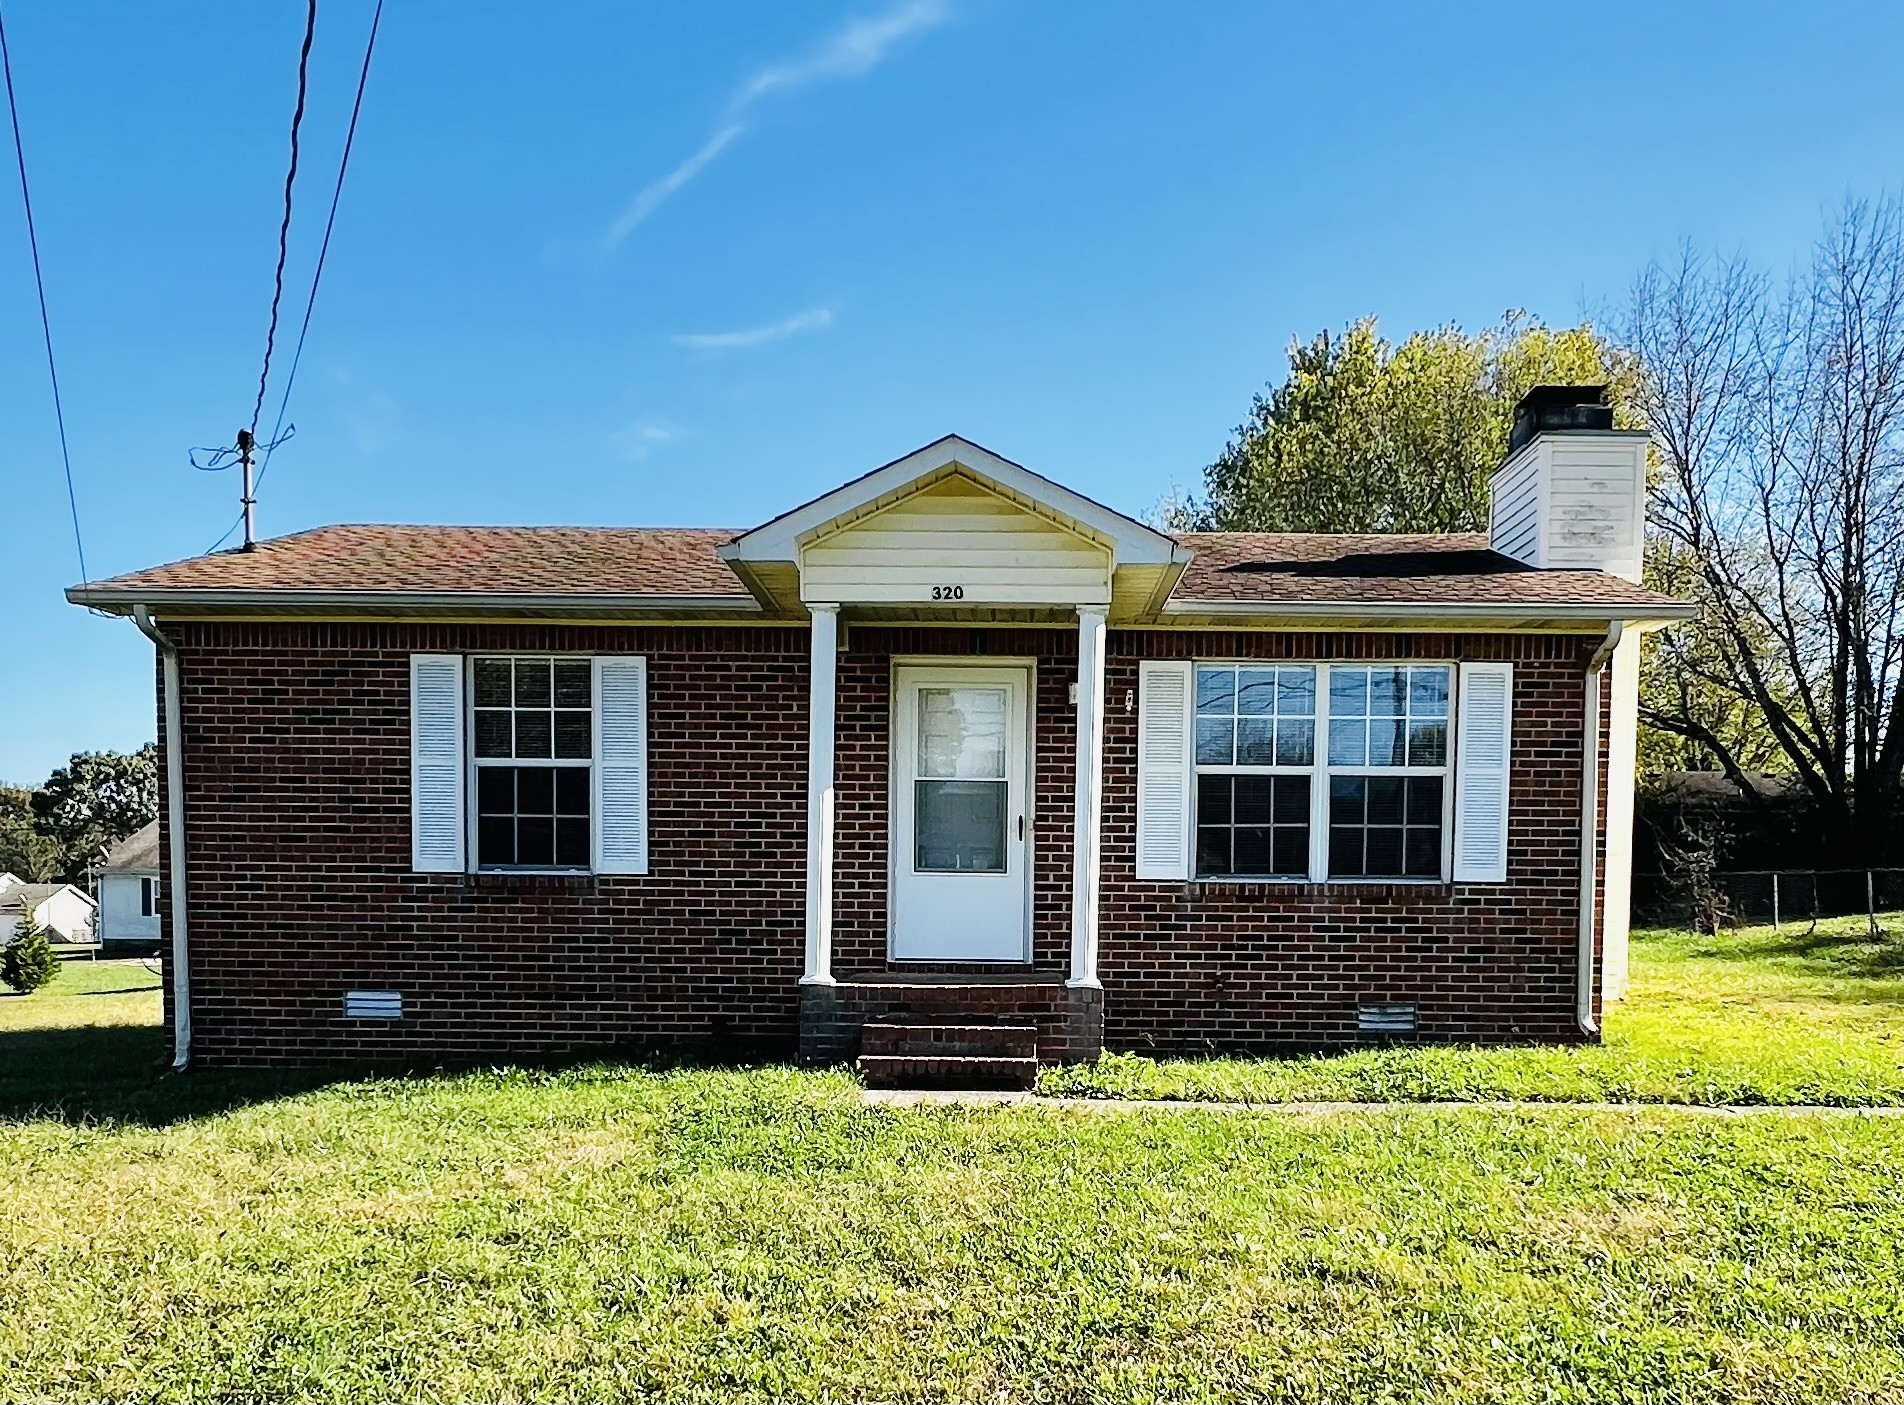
{"points": [[947, 1055]]}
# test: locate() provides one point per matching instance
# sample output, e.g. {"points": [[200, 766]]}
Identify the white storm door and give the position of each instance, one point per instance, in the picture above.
{"points": [[960, 890]]}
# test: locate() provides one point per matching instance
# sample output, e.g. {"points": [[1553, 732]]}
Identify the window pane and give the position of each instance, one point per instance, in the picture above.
{"points": [[1253, 852], [1345, 851], [532, 682], [533, 737], [492, 682], [492, 733], [1213, 799], [1213, 852], [1424, 853], [1295, 741], [962, 733], [1296, 692], [1384, 799], [1384, 852], [1428, 743], [1253, 799], [535, 842], [495, 842], [1424, 800], [571, 791], [1291, 805], [1348, 742], [1387, 692], [495, 790], [1292, 850], [1214, 738], [573, 684], [1255, 741], [1427, 692], [960, 826], [571, 843], [1348, 692], [1386, 738], [1216, 690], [535, 790], [574, 737], [1346, 799], [1256, 691]]}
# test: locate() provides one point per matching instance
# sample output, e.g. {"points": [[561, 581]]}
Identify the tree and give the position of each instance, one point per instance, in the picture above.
{"points": [[1365, 436], [24, 851], [1778, 418], [96, 799], [29, 960]]}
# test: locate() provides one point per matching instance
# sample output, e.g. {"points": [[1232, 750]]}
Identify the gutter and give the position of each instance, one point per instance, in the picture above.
{"points": [[119, 598], [1644, 615], [175, 832], [1589, 826]]}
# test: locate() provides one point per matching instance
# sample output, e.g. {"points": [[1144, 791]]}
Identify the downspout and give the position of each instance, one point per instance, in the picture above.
{"points": [[175, 833], [1590, 825]]}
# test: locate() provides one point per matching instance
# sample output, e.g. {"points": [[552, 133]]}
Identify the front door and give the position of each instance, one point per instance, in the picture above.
{"points": [[960, 889]]}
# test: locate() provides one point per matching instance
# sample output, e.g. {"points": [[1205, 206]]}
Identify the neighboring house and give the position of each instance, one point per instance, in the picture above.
{"points": [[129, 889], [949, 743], [67, 914]]}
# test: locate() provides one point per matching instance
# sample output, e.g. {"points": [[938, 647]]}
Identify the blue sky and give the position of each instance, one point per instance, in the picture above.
{"points": [[693, 262]]}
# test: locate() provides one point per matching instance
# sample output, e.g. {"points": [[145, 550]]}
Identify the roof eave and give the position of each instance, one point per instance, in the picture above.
{"points": [[121, 599], [1348, 613]]}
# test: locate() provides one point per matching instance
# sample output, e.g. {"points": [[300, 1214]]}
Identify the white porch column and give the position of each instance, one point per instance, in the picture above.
{"points": [[820, 727], [1089, 799]]}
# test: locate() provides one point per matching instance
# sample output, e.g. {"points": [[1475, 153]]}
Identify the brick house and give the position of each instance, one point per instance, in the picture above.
{"points": [[950, 761]]}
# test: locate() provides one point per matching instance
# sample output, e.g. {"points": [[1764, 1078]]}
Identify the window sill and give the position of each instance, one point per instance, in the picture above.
{"points": [[1329, 887], [544, 882]]}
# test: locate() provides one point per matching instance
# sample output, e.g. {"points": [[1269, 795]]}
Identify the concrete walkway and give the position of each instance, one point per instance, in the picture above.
{"points": [[891, 1097]]}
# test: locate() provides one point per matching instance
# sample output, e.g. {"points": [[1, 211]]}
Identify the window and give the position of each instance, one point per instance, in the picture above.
{"points": [[533, 730], [148, 897], [1255, 751], [1369, 802]]}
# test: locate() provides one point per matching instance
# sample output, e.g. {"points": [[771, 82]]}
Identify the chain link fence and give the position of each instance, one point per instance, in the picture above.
{"points": [[1779, 896]]}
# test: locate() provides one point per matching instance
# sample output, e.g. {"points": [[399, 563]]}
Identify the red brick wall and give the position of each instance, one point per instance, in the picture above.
{"points": [[297, 767], [298, 821], [1245, 966]]}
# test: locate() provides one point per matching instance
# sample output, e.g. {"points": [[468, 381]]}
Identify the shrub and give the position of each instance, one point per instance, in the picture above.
{"points": [[29, 960]]}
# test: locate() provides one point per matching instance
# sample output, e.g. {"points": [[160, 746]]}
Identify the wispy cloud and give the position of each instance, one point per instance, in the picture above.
{"points": [[653, 196], [812, 320], [852, 51], [638, 441]]}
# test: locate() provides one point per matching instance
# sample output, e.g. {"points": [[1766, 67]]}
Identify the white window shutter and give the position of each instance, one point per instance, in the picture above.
{"points": [[621, 764], [437, 764], [1483, 745], [1163, 769]]}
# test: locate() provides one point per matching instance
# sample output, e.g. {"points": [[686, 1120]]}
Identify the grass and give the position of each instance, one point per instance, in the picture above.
{"points": [[1747, 1017], [620, 1232]]}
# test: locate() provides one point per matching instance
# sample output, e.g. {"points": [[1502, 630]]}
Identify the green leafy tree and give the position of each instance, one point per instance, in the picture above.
{"points": [[29, 960], [97, 799], [24, 851], [1364, 435]]}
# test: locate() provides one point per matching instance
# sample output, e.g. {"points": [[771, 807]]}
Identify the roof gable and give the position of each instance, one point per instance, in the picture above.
{"points": [[1130, 541]]}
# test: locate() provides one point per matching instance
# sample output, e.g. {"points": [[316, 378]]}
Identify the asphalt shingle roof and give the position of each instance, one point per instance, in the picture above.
{"points": [[1241, 567]]}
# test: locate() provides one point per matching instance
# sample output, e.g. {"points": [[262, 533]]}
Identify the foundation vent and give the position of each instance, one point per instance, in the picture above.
{"points": [[373, 1004], [1385, 1019]]}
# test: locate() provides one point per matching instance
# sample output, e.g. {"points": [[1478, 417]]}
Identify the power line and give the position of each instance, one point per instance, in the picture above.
{"points": [[323, 249], [284, 225], [39, 283], [280, 432]]}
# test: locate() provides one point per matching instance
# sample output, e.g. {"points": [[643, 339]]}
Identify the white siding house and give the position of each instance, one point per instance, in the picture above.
{"points": [[129, 889], [66, 913]]}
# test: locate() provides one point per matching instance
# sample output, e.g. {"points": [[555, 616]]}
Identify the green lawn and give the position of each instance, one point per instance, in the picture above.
{"points": [[1752, 1016], [630, 1233]]}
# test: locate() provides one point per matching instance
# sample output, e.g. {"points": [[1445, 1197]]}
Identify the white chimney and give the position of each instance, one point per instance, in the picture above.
{"points": [[1572, 494]]}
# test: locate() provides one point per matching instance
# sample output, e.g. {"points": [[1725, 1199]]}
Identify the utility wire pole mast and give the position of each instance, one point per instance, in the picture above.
{"points": [[246, 499]]}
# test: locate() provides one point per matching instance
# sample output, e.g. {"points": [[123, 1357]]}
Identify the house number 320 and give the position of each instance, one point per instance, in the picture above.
{"points": [[948, 592]]}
